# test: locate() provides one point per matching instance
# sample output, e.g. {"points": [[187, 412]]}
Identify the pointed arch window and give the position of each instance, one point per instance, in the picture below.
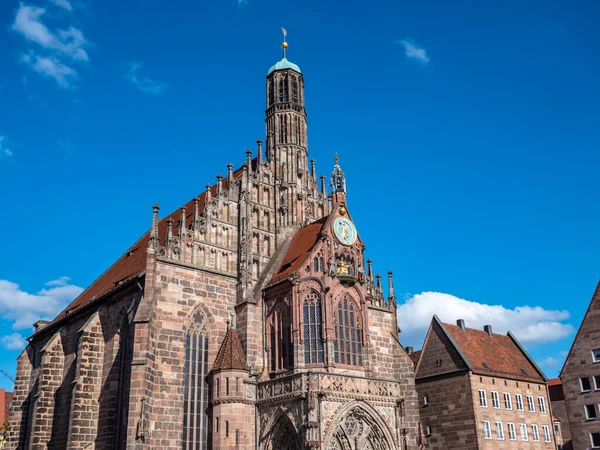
{"points": [[280, 342], [347, 346], [283, 89], [295, 89], [313, 333], [195, 393]]}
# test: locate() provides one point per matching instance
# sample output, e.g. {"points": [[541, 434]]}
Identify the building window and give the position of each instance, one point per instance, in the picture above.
{"points": [[237, 437], [556, 429], [507, 401], [283, 89], [425, 400], [499, 431], [195, 393], [586, 386], [227, 428], [428, 431], [487, 429], [512, 434], [237, 386], [295, 89], [535, 433], [596, 355], [597, 382], [523, 430], [313, 338], [321, 266], [519, 399], [530, 403], [595, 439], [483, 398], [216, 424], [280, 344], [495, 400], [227, 386], [348, 334], [590, 412], [546, 431], [542, 405], [218, 388]]}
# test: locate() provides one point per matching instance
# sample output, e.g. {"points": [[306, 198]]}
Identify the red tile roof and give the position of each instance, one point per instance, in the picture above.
{"points": [[300, 248], [501, 353], [555, 419], [554, 382], [415, 355], [231, 355], [133, 262]]}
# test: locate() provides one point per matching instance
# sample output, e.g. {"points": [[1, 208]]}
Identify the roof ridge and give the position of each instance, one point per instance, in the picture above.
{"points": [[231, 355]]}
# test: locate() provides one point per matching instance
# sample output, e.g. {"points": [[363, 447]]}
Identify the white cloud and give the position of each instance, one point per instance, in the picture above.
{"points": [[63, 4], [52, 68], [550, 362], [23, 308], [54, 46], [3, 149], [13, 342], [144, 84], [531, 325], [414, 51]]}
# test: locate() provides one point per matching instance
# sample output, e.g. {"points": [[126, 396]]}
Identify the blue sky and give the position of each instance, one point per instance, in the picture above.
{"points": [[468, 132]]}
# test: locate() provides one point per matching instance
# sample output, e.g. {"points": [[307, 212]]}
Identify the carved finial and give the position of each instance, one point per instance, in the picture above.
{"points": [[392, 296], [208, 194], [370, 266], [169, 228], [323, 188], [378, 281], [259, 152], [249, 160], [313, 171], [232, 320], [153, 242], [219, 185], [338, 179], [182, 222]]}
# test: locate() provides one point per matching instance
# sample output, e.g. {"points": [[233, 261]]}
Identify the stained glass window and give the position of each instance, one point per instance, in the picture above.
{"points": [[347, 346], [280, 336], [195, 419], [313, 337]]}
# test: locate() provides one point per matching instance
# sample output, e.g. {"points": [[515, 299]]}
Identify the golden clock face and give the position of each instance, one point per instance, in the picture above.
{"points": [[345, 230]]}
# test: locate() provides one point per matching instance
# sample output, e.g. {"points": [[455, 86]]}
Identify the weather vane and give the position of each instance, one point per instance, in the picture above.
{"points": [[284, 44]]}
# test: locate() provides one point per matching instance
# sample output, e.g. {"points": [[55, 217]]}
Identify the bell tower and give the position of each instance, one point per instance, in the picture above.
{"points": [[287, 151]]}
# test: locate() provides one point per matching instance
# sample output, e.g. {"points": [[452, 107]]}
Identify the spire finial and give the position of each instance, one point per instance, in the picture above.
{"points": [[284, 44], [232, 321], [338, 179]]}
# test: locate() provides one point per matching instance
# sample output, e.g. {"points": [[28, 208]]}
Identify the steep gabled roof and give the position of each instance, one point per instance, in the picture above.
{"points": [[554, 382], [595, 300], [300, 248], [415, 356], [133, 262], [231, 355], [503, 355]]}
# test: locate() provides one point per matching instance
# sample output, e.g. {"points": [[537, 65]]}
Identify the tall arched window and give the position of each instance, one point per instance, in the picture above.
{"points": [[295, 89], [347, 347], [313, 335], [283, 89], [195, 393], [280, 341]]}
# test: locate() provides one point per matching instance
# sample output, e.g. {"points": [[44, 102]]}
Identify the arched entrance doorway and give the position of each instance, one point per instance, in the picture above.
{"points": [[359, 429], [284, 436]]}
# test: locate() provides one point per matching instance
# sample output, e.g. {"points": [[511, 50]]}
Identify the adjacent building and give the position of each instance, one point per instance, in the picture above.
{"points": [[559, 409], [580, 378], [249, 318], [481, 390], [5, 404]]}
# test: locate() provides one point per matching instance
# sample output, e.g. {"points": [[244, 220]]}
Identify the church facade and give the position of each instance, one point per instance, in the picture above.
{"points": [[247, 319]]}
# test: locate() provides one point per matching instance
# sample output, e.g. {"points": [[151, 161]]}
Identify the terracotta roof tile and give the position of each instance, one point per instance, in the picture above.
{"points": [[499, 352], [415, 356], [554, 382], [300, 248], [231, 355], [133, 262]]}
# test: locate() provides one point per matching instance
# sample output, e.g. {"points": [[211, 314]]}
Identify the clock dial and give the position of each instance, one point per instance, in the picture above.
{"points": [[345, 230]]}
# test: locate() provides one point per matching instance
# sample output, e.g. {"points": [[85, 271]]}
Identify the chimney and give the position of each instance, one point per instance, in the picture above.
{"points": [[461, 324], [488, 330], [410, 350]]}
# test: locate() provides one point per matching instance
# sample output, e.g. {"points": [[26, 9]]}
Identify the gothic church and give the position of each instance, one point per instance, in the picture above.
{"points": [[247, 319]]}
